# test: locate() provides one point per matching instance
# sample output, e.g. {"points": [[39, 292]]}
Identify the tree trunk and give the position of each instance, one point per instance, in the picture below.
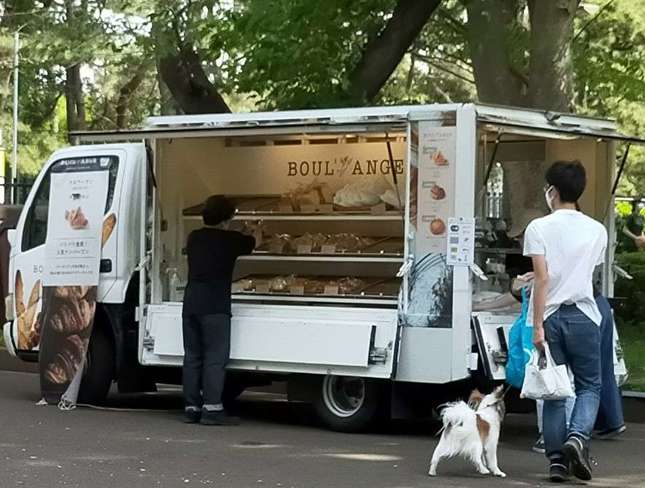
{"points": [[125, 93], [488, 28], [185, 78], [548, 84], [550, 65], [74, 98], [382, 55], [75, 103], [166, 101]]}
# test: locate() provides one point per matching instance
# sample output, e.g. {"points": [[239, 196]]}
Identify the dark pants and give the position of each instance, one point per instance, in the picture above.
{"points": [[610, 413], [574, 340], [207, 340]]}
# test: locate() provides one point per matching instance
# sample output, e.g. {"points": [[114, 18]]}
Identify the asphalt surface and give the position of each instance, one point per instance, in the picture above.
{"points": [[277, 445]]}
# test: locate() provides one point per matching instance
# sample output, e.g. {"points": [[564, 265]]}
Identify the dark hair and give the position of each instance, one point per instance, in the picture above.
{"points": [[217, 209], [569, 178]]}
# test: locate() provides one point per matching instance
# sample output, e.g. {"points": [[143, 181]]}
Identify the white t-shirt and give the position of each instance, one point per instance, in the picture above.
{"points": [[573, 244]]}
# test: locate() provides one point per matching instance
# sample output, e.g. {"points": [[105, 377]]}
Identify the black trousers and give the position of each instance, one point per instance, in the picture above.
{"points": [[207, 342]]}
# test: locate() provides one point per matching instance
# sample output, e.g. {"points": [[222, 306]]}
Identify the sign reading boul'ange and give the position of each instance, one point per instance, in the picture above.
{"points": [[77, 200]]}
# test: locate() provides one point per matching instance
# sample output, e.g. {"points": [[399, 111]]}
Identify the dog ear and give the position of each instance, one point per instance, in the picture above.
{"points": [[475, 399]]}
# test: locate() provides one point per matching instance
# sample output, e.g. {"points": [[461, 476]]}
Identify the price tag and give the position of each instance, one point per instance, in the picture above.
{"points": [[379, 209], [308, 208], [330, 290], [303, 249], [328, 249], [276, 248], [262, 288], [297, 290]]}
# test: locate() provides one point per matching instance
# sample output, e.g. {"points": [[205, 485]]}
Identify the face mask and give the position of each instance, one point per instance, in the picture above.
{"points": [[549, 199]]}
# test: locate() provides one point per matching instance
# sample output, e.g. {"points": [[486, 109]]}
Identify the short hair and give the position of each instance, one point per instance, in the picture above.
{"points": [[217, 209], [569, 178]]}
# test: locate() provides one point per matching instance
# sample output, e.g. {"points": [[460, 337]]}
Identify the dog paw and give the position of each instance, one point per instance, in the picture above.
{"points": [[484, 471], [499, 474], [432, 473]]}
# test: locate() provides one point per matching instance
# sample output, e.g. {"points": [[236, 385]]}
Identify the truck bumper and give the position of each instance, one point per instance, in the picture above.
{"points": [[8, 340]]}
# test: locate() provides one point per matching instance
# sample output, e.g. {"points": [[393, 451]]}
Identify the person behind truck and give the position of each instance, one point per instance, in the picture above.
{"points": [[633, 229], [212, 252], [566, 246], [610, 421]]}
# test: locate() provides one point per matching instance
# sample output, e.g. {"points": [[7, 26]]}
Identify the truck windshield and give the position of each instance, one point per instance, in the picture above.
{"points": [[35, 228]]}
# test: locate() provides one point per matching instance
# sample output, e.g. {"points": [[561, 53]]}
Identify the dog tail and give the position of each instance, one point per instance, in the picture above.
{"points": [[456, 414]]}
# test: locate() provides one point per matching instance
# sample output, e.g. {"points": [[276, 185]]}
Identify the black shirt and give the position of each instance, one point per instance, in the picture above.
{"points": [[211, 259], [634, 223]]}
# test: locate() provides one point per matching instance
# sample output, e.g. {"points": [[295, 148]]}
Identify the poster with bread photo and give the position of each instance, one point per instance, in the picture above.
{"points": [[77, 230]]}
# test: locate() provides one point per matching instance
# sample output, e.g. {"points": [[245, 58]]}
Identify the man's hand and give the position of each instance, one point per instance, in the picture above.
{"points": [[530, 276], [538, 337], [640, 242]]}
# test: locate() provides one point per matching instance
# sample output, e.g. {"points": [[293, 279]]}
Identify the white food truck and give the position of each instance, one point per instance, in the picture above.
{"points": [[383, 229]]}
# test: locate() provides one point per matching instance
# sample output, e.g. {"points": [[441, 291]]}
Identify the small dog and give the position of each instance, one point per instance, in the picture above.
{"points": [[472, 430]]}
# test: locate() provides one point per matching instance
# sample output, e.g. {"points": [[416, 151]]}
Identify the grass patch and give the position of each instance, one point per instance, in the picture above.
{"points": [[632, 338]]}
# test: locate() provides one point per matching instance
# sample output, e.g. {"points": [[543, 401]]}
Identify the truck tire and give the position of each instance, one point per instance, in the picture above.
{"points": [[347, 403], [99, 367]]}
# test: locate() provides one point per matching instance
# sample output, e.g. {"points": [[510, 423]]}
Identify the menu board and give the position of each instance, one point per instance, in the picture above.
{"points": [[435, 191]]}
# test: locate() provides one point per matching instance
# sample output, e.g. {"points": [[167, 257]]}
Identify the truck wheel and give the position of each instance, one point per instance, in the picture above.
{"points": [[347, 403], [99, 367]]}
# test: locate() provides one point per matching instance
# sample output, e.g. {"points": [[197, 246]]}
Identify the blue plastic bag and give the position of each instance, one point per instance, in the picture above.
{"points": [[520, 346]]}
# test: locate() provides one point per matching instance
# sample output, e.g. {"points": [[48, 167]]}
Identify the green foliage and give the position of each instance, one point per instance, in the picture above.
{"points": [[287, 54], [632, 309], [298, 53], [630, 316]]}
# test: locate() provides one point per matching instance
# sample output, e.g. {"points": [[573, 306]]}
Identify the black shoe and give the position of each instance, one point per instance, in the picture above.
{"points": [[218, 417], [558, 471], [609, 433], [577, 452], [192, 416], [539, 445]]}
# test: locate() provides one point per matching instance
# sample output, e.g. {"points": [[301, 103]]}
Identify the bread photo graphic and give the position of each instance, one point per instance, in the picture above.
{"points": [[439, 159], [76, 218], [437, 227], [437, 192], [63, 367], [27, 314], [74, 314], [108, 227]]}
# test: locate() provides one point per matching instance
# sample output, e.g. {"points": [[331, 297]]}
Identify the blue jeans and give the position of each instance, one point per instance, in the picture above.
{"points": [[610, 413], [573, 340]]}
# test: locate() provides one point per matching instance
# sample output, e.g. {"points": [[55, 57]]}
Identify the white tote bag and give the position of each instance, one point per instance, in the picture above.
{"points": [[551, 382]]}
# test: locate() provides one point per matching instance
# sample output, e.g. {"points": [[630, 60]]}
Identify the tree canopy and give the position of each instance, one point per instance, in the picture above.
{"points": [[111, 63]]}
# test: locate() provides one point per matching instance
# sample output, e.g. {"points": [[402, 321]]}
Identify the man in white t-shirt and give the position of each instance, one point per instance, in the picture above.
{"points": [[565, 247]]}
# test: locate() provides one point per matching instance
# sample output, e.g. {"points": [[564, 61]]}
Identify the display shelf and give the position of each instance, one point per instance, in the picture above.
{"points": [[317, 257], [314, 217], [317, 288]]}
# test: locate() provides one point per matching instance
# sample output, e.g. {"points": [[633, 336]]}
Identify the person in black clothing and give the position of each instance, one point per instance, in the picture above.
{"points": [[212, 252], [633, 229]]}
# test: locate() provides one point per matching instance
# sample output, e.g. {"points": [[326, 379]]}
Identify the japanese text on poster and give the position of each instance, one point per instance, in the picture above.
{"points": [[76, 208]]}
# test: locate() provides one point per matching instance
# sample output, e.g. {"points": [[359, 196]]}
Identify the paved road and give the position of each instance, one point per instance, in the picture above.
{"points": [[278, 445]]}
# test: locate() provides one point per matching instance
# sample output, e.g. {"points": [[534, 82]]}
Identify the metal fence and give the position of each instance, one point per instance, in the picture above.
{"points": [[15, 193]]}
